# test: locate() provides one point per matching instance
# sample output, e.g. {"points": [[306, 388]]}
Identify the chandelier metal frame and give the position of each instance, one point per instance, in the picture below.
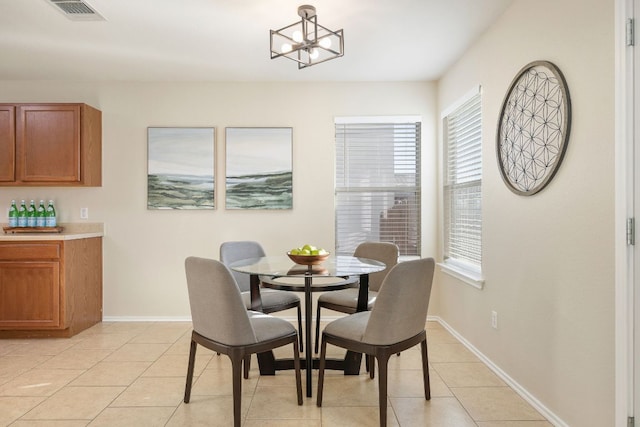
{"points": [[307, 42]]}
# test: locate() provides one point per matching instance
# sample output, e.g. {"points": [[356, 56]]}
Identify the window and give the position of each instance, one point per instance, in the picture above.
{"points": [[378, 183], [462, 177]]}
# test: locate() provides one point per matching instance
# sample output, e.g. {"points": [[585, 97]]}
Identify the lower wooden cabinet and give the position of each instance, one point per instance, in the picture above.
{"points": [[50, 288]]}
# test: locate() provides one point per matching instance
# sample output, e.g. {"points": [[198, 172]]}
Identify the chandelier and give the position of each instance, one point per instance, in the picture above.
{"points": [[307, 42]]}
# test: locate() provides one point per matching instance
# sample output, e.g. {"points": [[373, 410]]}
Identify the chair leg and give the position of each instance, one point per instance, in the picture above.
{"points": [[236, 368], [192, 362], [296, 366], [247, 365], [317, 329], [323, 354], [425, 370], [372, 366], [383, 361], [300, 327]]}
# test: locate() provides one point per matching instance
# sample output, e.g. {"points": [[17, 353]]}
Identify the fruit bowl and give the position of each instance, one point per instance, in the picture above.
{"points": [[308, 259]]}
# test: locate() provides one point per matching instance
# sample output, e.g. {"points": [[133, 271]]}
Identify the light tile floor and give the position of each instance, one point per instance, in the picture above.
{"points": [[133, 374]]}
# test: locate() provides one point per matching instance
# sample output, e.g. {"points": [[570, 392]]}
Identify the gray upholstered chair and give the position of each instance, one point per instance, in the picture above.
{"points": [[396, 323], [222, 323], [346, 300], [272, 300]]}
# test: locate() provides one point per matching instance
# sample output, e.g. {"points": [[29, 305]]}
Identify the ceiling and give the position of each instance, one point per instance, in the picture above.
{"points": [[228, 40]]}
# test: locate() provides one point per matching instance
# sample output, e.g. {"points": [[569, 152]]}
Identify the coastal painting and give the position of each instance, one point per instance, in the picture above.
{"points": [[259, 168], [180, 172]]}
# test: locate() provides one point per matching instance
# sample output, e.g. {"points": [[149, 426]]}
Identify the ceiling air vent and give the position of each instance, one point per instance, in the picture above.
{"points": [[77, 10]]}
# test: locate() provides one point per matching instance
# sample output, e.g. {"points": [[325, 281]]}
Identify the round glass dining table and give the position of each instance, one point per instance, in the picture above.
{"points": [[278, 272]]}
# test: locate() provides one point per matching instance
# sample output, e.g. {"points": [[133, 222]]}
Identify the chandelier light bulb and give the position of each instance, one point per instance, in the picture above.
{"points": [[297, 36], [325, 42], [314, 54], [286, 47]]}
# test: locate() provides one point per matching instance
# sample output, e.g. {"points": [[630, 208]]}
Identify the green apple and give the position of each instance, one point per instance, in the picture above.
{"points": [[305, 251], [295, 251]]}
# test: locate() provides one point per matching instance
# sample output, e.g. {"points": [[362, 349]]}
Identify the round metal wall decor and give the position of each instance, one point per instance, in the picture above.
{"points": [[533, 128]]}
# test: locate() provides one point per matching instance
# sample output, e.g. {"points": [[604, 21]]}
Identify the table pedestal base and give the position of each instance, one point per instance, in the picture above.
{"points": [[268, 364]]}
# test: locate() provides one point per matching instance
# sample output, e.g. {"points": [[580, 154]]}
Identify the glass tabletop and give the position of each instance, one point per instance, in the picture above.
{"points": [[334, 266]]}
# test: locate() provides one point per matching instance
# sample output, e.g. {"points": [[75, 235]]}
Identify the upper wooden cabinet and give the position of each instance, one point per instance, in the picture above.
{"points": [[50, 145], [7, 143]]}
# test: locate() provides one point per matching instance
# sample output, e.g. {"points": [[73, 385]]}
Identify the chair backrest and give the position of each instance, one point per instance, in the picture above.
{"points": [[400, 311], [386, 252], [237, 250], [217, 310]]}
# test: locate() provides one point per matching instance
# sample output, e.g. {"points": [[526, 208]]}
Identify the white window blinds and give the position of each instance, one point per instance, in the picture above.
{"points": [[378, 185], [463, 183]]}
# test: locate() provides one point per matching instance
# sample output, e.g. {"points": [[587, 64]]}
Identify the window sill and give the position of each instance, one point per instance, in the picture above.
{"points": [[469, 277]]}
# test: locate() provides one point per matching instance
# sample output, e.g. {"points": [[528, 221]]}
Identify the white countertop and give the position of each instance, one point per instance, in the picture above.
{"points": [[72, 231]]}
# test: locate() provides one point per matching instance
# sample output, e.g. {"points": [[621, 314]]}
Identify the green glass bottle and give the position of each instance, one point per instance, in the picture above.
{"points": [[40, 215], [50, 216], [31, 214], [13, 214], [22, 214]]}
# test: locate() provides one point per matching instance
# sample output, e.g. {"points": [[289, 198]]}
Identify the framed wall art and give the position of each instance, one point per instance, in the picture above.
{"points": [[181, 162], [533, 128], [259, 168]]}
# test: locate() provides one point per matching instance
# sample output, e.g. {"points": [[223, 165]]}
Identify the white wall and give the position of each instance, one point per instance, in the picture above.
{"points": [[548, 259], [144, 250]]}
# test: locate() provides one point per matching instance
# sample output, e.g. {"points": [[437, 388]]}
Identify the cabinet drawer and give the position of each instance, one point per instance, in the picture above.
{"points": [[29, 251]]}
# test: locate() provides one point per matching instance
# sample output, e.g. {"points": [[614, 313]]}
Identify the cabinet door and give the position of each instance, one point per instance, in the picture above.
{"points": [[48, 141], [7, 143], [29, 294]]}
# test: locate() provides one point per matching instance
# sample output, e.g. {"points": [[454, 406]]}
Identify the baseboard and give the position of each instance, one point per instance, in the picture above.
{"points": [[146, 319], [531, 399]]}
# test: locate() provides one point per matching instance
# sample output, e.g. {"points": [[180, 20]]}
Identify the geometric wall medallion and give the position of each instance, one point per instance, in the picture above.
{"points": [[533, 128]]}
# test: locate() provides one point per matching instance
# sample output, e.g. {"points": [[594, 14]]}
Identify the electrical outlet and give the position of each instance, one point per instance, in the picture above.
{"points": [[84, 213], [494, 319]]}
